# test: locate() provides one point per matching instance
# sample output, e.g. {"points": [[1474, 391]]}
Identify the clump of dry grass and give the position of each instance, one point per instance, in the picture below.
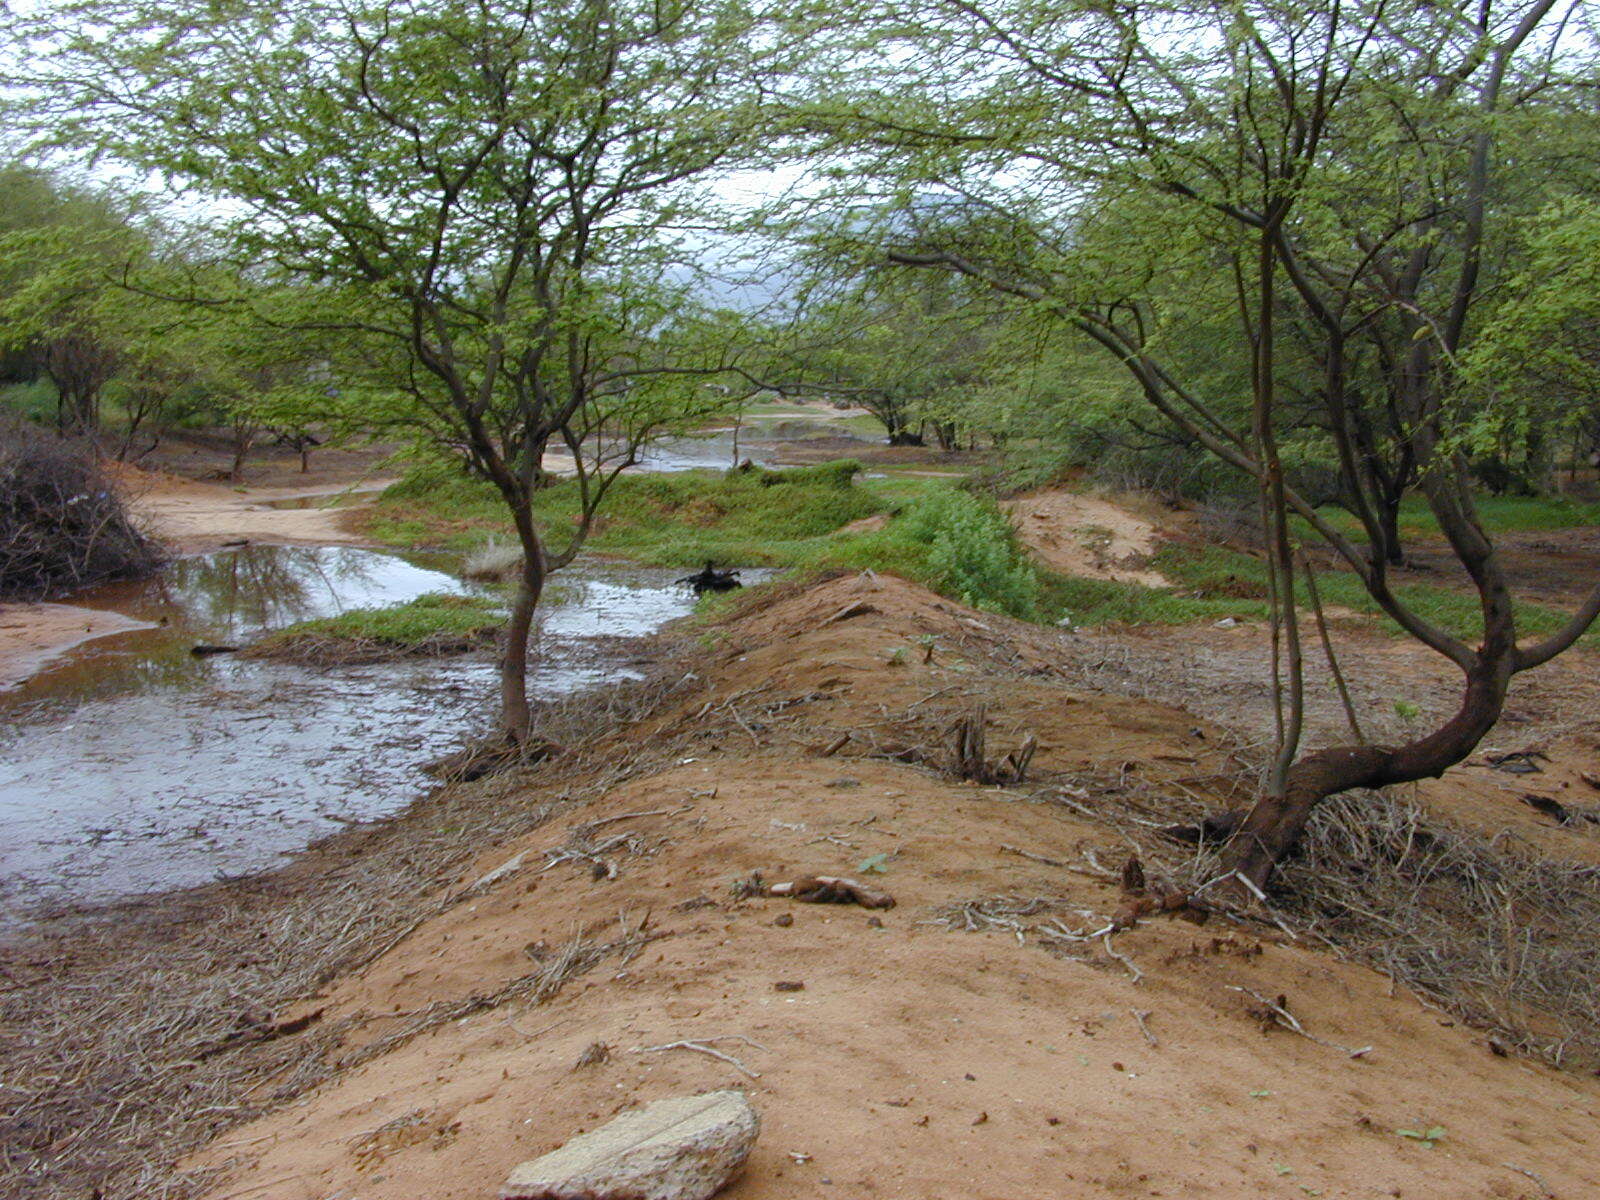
{"points": [[492, 562], [1484, 927]]}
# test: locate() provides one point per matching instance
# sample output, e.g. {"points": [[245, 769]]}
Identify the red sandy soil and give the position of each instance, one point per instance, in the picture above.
{"points": [[1098, 537], [192, 516], [917, 1061]]}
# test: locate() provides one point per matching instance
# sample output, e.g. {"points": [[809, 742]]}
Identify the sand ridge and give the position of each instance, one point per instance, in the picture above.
{"points": [[918, 1060]]}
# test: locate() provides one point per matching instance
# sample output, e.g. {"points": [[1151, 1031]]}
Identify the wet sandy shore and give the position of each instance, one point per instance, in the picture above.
{"points": [[33, 635]]}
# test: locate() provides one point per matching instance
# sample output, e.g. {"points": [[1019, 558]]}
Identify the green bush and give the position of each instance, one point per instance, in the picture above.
{"points": [[957, 544], [973, 552], [34, 402]]}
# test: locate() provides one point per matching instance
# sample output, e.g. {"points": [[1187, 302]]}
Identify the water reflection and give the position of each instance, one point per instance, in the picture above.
{"points": [[136, 765], [755, 441], [255, 588]]}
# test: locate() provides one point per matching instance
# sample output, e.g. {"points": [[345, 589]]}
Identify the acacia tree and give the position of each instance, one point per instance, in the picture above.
{"points": [[61, 250], [1250, 120], [1542, 344], [479, 193], [888, 341]]}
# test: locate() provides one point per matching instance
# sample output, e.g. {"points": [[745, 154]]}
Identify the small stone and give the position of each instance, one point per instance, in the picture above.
{"points": [[784, 921], [788, 985], [683, 1148], [874, 922]]}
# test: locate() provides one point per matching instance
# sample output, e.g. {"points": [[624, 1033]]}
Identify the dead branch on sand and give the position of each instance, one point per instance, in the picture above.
{"points": [[1275, 1014], [702, 1046]]}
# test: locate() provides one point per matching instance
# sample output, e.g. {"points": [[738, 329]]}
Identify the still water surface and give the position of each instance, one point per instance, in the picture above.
{"points": [[134, 765]]}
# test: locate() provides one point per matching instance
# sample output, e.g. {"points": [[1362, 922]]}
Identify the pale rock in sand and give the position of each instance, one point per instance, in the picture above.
{"points": [[683, 1148]]}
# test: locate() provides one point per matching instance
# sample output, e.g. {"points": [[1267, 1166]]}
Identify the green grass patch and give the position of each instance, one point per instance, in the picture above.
{"points": [[429, 625], [899, 486], [1094, 602], [1212, 582], [952, 541], [1499, 514], [674, 519], [1231, 583]]}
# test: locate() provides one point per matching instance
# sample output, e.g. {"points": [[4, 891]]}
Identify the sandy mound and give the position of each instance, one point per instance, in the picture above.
{"points": [[960, 1044], [1091, 536]]}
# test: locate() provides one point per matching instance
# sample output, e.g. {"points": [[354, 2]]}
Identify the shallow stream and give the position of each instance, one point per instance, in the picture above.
{"points": [[134, 765], [130, 764]]}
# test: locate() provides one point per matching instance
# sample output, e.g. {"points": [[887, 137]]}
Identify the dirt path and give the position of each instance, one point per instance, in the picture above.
{"points": [[1091, 536], [193, 517]]}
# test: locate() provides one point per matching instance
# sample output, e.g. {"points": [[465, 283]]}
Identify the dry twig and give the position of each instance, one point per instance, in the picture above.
{"points": [[1285, 1019], [1141, 1018], [701, 1046]]}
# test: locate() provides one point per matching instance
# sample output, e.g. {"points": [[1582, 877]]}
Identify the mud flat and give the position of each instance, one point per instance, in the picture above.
{"points": [[33, 635]]}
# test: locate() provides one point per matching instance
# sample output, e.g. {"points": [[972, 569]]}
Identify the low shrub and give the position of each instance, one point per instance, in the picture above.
{"points": [[954, 542], [973, 552]]}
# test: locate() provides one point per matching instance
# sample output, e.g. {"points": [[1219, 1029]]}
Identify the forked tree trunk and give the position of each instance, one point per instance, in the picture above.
{"points": [[1275, 823], [243, 439]]}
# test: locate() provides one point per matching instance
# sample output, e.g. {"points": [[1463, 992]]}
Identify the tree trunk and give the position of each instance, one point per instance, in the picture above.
{"points": [[77, 411], [1275, 824], [516, 717], [243, 438], [1389, 521]]}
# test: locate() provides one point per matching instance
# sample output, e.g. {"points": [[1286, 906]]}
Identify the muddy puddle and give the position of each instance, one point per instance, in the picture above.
{"points": [[133, 765]]}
